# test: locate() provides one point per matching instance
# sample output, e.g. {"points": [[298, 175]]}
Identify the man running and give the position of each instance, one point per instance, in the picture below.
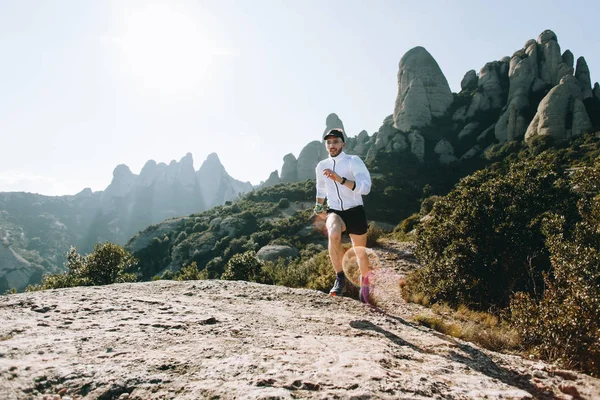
{"points": [[343, 179]]}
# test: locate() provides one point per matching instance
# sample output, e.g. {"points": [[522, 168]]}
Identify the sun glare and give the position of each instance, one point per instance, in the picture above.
{"points": [[166, 50]]}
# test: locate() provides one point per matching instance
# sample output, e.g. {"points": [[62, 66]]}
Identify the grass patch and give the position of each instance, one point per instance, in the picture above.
{"points": [[481, 328]]}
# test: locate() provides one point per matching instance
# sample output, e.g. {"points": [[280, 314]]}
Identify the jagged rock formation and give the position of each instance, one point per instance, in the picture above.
{"points": [[217, 186], [308, 159], [495, 106], [334, 122], [561, 114], [469, 81], [289, 171], [582, 73], [272, 180], [423, 91], [38, 230]]}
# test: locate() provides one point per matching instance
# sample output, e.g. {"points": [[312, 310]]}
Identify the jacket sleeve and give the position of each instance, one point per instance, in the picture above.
{"points": [[363, 178], [321, 189]]}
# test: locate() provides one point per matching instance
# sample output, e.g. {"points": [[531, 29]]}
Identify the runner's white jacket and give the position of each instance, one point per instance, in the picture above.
{"points": [[339, 197]]}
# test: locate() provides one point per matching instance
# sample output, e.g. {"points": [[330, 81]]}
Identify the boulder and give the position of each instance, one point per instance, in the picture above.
{"points": [[471, 153], [399, 142], [552, 117], [469, 81], [489, 83], [487, 134], [417, 145], [547, 36], [443, 147], [275, 252], [423, 91], [460, 114], [445, 150], [596, 91], [582, 73], [289, 170], [468, 130]]}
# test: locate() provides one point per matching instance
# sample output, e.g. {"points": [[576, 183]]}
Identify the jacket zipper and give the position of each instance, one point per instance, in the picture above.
{"points": [[338, 190]]}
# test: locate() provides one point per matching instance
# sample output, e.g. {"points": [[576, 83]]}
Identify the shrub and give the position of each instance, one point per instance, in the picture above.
{"points": [[408, 224], [283, 203], [564, 325], [107, 264], [374, 233], [485, 240], [244, 266], [314, 273], [190, 273]]}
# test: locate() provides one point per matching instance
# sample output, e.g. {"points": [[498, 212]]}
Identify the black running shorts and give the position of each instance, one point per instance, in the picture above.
{"points": [[355, 219]]}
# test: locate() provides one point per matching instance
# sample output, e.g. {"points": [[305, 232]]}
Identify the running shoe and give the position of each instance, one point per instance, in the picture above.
{"points": [[365, 289], [338, 286]]}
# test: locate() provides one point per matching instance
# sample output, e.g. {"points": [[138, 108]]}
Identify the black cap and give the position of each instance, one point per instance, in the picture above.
{"points": [[336, 132]]}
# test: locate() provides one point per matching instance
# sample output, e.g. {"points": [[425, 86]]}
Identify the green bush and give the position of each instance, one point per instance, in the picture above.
{"points": [[564, 326], [408, 224], [314, 273], [485, 240], [190, 273], [107, 264], [374, 233], [243, 266], [283, 203]]}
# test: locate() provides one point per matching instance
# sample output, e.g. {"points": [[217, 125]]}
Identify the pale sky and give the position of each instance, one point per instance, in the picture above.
{"points": [[86, 85]]}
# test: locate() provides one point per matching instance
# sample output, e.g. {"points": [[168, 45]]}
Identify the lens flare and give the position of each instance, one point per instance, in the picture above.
{"points": [[385, 284], [351, 267]]}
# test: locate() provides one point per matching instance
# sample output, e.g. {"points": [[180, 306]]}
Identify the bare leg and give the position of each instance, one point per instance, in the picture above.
{"points": [[335, 227], [359, 242]]}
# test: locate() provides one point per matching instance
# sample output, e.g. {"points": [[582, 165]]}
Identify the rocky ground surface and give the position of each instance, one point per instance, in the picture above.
{"points": [[240, 340]]}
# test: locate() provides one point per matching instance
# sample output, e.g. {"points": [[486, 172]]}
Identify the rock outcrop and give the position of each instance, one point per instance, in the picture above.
{"points": [[582, 73], [217, 185], [275, 252], [234, 339], [561, 114], [423, 91], [272, 180], [469, 81], [536, 68], [289, 171], [334, 122], [308, 159]]}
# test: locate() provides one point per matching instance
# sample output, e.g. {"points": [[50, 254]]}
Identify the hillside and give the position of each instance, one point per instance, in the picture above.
{"points": [[216, 339]]}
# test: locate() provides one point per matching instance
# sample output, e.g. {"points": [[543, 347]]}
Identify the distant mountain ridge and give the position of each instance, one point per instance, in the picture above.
{"points": [[36, 231]]}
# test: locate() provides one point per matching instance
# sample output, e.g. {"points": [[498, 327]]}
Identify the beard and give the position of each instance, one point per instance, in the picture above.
{"points": [[334, 152]]}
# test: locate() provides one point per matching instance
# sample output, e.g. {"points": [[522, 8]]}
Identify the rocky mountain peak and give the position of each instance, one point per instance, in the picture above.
{"points": [[423, 91]]}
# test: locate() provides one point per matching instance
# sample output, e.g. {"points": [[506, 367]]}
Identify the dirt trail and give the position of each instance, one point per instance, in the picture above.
{"points": [[240, 340]]}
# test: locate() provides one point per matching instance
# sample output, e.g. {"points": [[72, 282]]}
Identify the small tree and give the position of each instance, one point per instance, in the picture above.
{"points": [[244, 266], [107, 264]]}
